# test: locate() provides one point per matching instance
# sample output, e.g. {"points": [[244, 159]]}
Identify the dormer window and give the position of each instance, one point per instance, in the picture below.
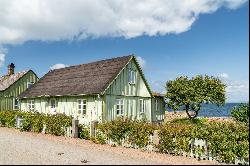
{"points": [[29, 84], [132, 76]]}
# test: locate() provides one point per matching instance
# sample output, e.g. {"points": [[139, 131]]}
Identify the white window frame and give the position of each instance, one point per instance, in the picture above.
{"points": [[142, 105], [50, 103], [31, 105], [119, 107], [83, 103], [29, 83], [16, 107], [132, 76]]}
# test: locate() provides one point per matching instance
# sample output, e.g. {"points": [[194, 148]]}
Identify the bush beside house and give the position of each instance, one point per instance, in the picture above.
{"points": [[55, 124]]}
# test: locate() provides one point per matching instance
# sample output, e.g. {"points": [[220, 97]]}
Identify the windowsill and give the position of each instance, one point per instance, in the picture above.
{"points": [[82, 116]]}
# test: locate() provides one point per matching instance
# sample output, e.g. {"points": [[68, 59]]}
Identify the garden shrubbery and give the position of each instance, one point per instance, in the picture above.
{"points": [[55, 124], [137, 132], [226, 140], [241, 113], [83, 132], [7, 118]]}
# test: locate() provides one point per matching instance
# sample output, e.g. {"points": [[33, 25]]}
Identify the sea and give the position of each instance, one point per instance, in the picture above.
{"points": [[211, 110]]}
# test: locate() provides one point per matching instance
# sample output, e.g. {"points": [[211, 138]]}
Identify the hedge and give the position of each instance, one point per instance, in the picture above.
{"points": [[226, 140], [136, 132], [55, 124]]}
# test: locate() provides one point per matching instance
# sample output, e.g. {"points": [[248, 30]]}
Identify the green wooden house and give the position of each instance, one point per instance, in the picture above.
{"points": [[97, 91], [12, 85]]}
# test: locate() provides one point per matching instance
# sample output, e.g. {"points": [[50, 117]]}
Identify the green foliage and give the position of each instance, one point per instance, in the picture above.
{"points": [[174, 138], [192, 93], [100, 138], [83, 132], [197, 121], [8, 118], [137, 132], [32, 121], [55, 124], [226, 140], [115, 130], [241, 113]]}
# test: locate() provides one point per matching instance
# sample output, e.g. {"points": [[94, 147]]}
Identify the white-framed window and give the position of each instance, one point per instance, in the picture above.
{"points": [[81, 106], [29, 84], [132, 76], [142, 106], [15, 104], [52, 106], [53, 103], [31, 105], [119, 107]]}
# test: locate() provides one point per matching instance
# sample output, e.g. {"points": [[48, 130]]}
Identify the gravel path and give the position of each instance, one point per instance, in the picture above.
{"points": [[30, 148]]}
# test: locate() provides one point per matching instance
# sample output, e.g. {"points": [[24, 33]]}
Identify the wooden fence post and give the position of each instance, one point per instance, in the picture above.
{"points": [[75, 123], [93, 128], [156, 140]]}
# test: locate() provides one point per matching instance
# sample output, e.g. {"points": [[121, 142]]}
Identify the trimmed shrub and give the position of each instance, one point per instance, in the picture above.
{"points": [[136, 132], [57, 124], [8, 118], [228, 141]]}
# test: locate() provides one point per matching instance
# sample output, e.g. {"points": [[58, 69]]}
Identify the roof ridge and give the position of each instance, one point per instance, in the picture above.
{"points": [[24, 71], [7, 80], [98, 61]]}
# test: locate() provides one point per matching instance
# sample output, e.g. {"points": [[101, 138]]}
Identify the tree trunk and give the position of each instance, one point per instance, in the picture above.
{"points": [[190, 116]]}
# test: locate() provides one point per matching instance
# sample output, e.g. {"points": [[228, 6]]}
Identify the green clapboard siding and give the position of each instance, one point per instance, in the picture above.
{"points": [[158, 112], [7, 96], [130, 93], [102, 107]]}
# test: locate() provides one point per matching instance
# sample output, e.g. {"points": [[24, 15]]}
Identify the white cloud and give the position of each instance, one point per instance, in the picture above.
{"points": [[141, 61], [237, 91], [224, 76], [47, 20], [58, 66], [2, 58]]}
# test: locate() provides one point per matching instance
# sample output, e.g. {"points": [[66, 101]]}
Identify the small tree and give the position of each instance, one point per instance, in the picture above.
{"points": [[192, 93]]}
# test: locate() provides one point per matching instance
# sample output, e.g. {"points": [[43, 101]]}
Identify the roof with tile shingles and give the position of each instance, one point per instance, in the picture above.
{"points": [[6, 81], [84, 79]]}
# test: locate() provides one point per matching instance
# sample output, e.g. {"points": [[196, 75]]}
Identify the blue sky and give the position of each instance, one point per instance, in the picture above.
{"points": [[215, 44]]}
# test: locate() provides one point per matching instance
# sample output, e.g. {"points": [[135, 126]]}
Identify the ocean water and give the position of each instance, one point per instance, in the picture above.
{"points": [[211, 110]]}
